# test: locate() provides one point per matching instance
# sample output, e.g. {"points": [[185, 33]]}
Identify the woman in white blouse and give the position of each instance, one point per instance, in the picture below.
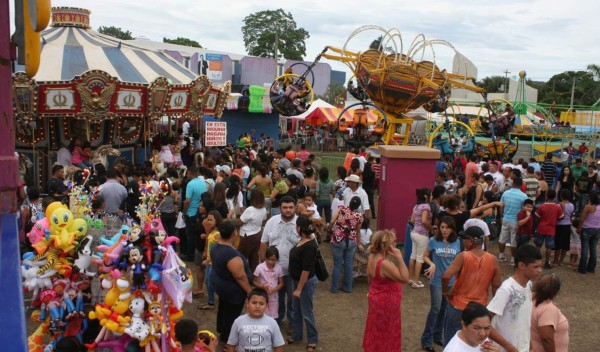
{"points": [[251, 222]]}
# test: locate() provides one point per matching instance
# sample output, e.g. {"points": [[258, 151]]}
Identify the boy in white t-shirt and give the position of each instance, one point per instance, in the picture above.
{"points": [[255, 331], [511, 307]]}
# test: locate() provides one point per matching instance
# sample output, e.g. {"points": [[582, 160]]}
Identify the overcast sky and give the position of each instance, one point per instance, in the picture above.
{"points": [[541, 37]]}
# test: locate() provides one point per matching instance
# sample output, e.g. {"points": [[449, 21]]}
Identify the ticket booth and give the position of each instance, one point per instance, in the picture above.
{"points": [[404, 169]]}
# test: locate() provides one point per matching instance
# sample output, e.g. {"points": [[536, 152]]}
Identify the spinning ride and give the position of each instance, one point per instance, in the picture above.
{"points": [[397, 82]]}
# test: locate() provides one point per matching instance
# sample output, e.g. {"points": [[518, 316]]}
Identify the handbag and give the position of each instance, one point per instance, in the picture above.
{"points": [[320, 267]]}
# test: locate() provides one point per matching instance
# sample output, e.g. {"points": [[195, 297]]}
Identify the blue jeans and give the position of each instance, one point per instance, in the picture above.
{"points": [[582, 201], [275, 211], [452, 323], [342, 259], [303, 312], [327, 207], [210, 287], [434, 326], [589, 242], [287, 290]]}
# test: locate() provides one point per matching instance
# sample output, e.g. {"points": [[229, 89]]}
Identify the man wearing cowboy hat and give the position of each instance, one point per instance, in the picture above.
{"points": [[354, 189]]}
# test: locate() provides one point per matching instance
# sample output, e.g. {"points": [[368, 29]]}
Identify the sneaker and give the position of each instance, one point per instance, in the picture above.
{"points": [[512, 261], [547, 266], [501, 257]]}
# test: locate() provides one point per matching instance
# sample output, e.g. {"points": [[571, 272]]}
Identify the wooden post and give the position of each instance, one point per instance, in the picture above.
{"points": [[12, 325]]}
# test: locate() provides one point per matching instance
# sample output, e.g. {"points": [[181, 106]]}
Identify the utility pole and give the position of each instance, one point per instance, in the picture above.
{"points": [[506, 73], [573, 91]]}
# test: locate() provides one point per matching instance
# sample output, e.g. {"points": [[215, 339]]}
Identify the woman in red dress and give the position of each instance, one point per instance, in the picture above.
{"points": [[387, 272]]}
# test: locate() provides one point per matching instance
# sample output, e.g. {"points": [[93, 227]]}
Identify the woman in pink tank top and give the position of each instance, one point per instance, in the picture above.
{"points": [[589, 228]]}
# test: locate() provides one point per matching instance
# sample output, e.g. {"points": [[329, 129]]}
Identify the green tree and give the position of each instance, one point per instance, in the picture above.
{"points": [[334, 92], [182, 41], [116, 32], [493, 84], [274, 33], [559, 88]]}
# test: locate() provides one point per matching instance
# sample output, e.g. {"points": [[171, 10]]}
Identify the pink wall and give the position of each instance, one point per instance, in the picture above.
{"points": [[400, 178]]}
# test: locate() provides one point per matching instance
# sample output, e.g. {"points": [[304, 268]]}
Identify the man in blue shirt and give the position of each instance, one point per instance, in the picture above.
{"points": [[513, 203], [193, 195]]}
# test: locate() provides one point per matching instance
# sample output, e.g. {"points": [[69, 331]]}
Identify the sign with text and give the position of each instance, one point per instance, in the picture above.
{"points": [[215, 134]]}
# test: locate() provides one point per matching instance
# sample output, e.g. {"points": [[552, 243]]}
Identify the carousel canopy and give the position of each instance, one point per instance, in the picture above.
{"points": [[71, 48]]}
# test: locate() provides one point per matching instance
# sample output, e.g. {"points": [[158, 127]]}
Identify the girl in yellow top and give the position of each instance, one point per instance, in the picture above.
{"points": [[211, 235]]}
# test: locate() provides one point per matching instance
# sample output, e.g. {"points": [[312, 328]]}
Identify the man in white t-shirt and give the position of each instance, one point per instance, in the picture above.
{"points": [[280, 231], [511, 306], [497, 175], [354, 190], [185, 126]]}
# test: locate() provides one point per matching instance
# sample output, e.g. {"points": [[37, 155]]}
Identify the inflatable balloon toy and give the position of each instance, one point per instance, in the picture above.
{"points": [[117, 237], [60, 236], [106, 313], [138, 327], [52, 207], [74, 298], [84, 257], [38, 231], [51, 259], [35, 283], [80, 227], [156, 323], [51, 304]]}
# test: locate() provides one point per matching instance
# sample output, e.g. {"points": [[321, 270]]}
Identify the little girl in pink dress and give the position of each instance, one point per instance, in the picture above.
{"points": [[269, 276]]}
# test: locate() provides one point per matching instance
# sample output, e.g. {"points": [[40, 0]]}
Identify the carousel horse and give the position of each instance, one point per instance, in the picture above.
{"points": [[24, 164], [102, 153], [158, 166]]}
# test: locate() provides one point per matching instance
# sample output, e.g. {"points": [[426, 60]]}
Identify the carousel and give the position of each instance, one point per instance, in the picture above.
{"points": [[104, 90]]}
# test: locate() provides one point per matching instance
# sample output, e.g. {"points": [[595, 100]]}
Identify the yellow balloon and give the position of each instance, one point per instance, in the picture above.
{"points": [[52, 207], [61, 218], [79, 226]]}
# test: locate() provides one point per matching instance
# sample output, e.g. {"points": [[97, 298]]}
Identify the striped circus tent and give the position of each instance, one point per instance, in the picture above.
{"points": [[321, 112], [69, 51]]}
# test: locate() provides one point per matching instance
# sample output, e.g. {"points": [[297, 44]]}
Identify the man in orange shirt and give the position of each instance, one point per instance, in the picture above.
{"points": [[475, 271]]}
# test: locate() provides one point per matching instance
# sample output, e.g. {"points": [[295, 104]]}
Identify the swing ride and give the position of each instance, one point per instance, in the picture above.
{"points": [[391, 82]]}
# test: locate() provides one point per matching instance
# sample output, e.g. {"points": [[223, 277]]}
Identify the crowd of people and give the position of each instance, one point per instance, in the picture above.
{"points": [[540, 211], [252, 219]]}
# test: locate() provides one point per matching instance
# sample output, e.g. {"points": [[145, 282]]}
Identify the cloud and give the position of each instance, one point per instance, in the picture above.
{"points": [[544, 37]]}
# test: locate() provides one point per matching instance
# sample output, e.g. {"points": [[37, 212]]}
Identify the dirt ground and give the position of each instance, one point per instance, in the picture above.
{"points": [[341, 317]]}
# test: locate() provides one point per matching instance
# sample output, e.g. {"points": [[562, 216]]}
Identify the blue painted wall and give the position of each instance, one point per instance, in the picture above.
{"points": [[240, 122]]}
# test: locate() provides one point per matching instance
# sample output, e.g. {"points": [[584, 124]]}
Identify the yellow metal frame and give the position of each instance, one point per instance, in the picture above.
{"points": [[310, 88], [435, 132]]}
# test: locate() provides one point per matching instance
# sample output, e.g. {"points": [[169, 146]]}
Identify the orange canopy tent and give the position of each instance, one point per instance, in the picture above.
{"points": [[321, 112]]}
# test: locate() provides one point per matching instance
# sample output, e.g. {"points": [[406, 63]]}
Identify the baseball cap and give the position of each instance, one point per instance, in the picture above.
{"points": [[226, 169], [472, 232]]}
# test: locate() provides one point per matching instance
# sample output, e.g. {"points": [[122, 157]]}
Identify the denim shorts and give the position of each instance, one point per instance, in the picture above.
{"points": [[539, 240]]}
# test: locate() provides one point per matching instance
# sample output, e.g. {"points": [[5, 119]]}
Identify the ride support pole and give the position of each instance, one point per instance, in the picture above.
{"points": [[12, 326]]}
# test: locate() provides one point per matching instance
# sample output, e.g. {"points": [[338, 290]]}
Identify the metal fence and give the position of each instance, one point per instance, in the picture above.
{"points": [[331, 163]]}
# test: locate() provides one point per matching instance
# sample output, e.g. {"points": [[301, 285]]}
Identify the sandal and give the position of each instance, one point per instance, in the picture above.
{"points": [[417, 284], [206, 307], [311, 348]]}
